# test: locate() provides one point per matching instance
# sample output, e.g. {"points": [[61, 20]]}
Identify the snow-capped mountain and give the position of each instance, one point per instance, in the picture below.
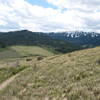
{"points": [[85, 39]]}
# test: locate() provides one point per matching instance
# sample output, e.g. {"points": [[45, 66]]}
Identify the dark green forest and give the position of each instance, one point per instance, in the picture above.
{"points": [[29, 38]]}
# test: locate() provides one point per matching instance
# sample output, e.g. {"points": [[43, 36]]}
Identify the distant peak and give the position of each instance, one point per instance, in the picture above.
{"points": [[25, 30]]}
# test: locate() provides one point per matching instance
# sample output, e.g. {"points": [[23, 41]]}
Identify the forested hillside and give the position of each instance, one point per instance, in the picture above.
{"points": [[28, 38]]}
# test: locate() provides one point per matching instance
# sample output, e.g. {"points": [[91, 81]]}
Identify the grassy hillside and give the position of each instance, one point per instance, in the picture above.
{"points": [[73, 76], [24, 51], [5, 73], [32, 50], [8, 53]]}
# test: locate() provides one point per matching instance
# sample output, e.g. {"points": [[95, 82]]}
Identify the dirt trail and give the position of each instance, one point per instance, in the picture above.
{"points": [[7, 82]]}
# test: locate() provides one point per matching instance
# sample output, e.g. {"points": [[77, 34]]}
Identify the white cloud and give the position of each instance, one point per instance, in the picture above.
{"points": [[87, 5], [78, 15]]}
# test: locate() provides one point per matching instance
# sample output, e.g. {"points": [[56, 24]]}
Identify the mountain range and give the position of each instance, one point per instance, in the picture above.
{"points": [[83, 39], [28, 38], [57, 41]]}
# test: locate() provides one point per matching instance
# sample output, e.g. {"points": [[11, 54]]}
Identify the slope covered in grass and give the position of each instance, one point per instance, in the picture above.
{"points": [[6, 73], [74, 76], [24, 51], [8, 53], [32, 51]]}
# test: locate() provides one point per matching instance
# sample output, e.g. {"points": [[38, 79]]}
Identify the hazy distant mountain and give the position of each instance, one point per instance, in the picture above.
{"points": [[85, 39], [25, 37]]}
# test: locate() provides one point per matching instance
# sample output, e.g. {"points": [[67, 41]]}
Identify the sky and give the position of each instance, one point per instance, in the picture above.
{"points": [[50, 15]]}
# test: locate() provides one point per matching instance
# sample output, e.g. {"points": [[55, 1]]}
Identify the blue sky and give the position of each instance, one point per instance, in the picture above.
{"points": [[43, 3], [50, 15]]}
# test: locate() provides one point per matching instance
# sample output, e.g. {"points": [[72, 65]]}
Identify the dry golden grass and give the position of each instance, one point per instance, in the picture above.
{"points": [[74, 76]]}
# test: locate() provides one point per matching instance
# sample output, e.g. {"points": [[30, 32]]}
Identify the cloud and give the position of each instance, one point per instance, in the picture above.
{"points": [[70, 15], [87, 5]]}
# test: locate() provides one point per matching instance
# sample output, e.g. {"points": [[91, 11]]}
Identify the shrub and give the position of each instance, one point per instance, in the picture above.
{"points": [[98, 62]]}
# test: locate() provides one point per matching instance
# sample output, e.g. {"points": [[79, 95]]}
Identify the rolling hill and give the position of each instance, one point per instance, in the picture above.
{"points": [[24, 51], [72, 76]]}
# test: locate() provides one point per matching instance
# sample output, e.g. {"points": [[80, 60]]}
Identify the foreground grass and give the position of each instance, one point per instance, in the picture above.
{"points": [[74, 76], [6, 73]]}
